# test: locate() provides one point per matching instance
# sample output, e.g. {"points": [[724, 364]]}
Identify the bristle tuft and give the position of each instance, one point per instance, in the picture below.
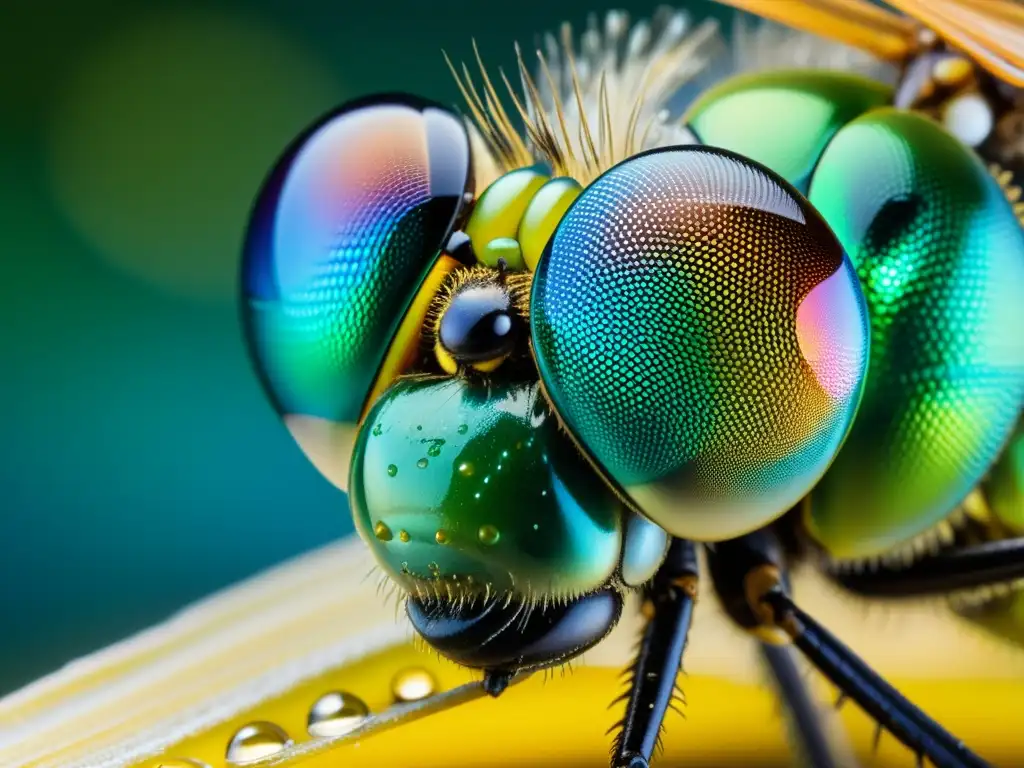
{"points": [[581, 109]]}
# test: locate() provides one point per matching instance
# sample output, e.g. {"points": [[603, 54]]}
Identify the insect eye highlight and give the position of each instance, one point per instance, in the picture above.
{"points": [[478, 325], [479, 320]]}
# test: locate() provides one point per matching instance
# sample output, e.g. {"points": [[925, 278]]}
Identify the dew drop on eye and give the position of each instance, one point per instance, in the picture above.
{"points": [[488, 534]]}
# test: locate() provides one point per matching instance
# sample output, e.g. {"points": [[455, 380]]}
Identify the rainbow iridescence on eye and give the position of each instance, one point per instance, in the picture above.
{"points": [[704, 337], [940, 254], [342, 235]]}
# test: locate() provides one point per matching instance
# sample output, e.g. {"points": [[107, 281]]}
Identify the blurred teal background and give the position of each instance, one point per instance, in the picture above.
{"points": [[141, 467]]}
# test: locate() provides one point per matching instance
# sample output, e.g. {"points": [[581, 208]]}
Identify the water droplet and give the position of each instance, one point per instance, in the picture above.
{"points": [[419, 427], [435, 447], [336, 713], [377, 430], [463, 429], [488, 534], [422, 463], [180, 762], [381, 531], [403, 535], [487, 479], [498, 468], [504, 454], [392, 470], [476, 495], [536, 527], [543, 493], [256, 741], [441, 537], [432, 567], [413, 684], [466, 469]]}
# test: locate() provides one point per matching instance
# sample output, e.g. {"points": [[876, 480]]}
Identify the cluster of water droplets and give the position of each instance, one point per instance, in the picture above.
{"points": [[487, 534], [334, 714]]}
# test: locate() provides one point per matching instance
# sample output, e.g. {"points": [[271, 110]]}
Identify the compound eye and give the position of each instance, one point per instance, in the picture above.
{"points": [[702, 333], [345, 234], [478, 325]]}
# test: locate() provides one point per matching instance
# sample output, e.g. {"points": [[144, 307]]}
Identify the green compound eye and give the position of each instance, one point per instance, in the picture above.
{"points": [[1005, 483], [940, 254], [343, 239], [702, 334]]}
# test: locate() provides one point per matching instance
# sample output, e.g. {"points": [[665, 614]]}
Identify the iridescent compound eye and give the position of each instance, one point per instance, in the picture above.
{"points": [[341, 260], [700, 330]]}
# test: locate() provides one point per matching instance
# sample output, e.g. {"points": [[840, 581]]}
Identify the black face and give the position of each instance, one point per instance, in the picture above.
{"points": [[497, 636], [479, 324]]}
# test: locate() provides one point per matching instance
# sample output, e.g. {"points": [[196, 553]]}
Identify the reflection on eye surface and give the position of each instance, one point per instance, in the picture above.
{"points": [[477, 324]]}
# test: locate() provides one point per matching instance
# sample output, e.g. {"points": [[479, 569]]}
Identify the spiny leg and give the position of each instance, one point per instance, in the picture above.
{"points": [[865, 686], [738, 567], [960, 567], [751, 570], [668, 603]]}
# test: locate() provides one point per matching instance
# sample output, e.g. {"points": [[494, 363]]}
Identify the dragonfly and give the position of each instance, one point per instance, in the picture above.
{"points": [[568, 352]]}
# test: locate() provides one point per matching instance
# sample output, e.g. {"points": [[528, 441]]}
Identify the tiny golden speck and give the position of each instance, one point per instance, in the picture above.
{"points": [[413, 684], [381, 531], [180, 762], [466, 469], [403, 535], [952, 71], [422, 463], [488, 534], [441, 537]]}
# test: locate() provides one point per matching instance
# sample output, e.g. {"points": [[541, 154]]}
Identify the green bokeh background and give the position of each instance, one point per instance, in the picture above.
{"points": [[141, 467]]}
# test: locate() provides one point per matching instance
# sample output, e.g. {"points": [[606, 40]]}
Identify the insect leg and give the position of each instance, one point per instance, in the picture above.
{"points": [[802, 709], [739, 568], [862, 684], [669, 604], [960, 567], [750, 578]]}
